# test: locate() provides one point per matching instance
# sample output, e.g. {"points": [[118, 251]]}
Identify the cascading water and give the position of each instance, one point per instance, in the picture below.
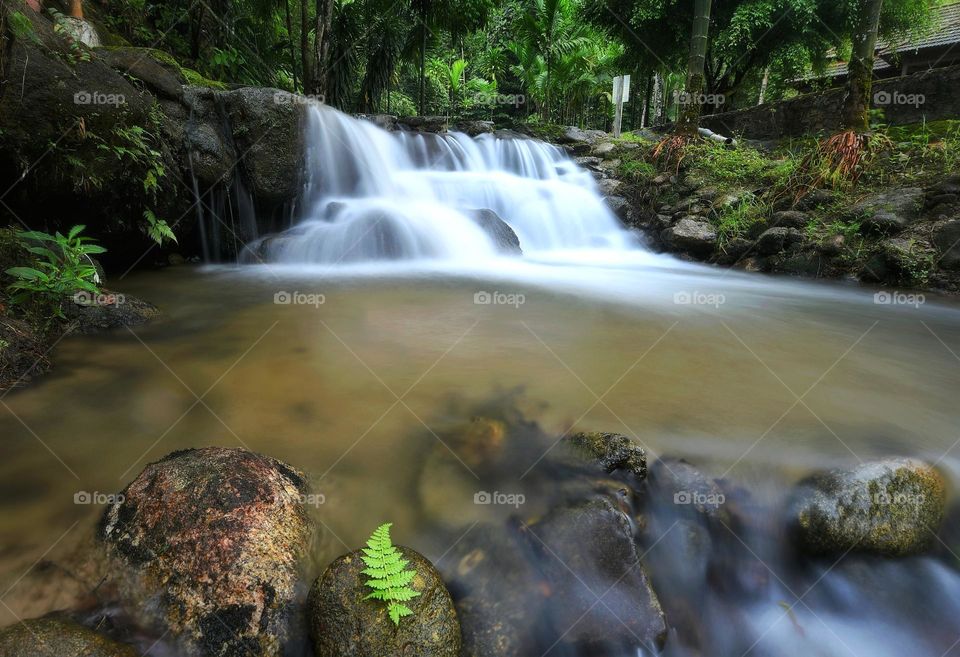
{"points": [[374, 195]]}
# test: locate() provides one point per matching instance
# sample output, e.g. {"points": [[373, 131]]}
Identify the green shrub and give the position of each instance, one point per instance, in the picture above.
{"points": [[63, 267]]}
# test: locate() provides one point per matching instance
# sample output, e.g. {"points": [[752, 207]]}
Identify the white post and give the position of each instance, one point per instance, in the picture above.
{"points": [[617, 105]]}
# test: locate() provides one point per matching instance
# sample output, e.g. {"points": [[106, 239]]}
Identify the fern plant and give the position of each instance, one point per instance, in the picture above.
{"points": [[388, 575]]}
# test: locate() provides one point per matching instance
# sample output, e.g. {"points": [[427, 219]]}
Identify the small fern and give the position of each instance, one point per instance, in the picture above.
{"points": [[388, 577]]}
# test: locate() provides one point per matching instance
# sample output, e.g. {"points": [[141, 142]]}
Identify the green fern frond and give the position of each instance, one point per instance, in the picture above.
{"points": [[387, 574]]}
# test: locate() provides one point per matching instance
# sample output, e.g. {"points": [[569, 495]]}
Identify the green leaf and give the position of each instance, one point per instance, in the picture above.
{"points": [[27, 273], [388, 577]]}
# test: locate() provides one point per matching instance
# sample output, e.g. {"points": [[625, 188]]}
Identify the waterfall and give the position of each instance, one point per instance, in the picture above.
{"points": [[375, 195]]}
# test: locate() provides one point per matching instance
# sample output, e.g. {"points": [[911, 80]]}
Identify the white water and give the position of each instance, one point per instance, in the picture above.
{"points": [[373, 195]]}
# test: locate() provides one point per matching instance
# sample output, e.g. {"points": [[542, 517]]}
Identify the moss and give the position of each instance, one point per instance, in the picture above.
{"points": [[190, 75], [197, 80]]}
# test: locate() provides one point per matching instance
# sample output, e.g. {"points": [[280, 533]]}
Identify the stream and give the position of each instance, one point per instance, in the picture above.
{"points": [[354, 371]]}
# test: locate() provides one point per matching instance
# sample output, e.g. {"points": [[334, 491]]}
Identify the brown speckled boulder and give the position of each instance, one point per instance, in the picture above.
{"points": [[210, 540], [344, 624], [56, 637]]}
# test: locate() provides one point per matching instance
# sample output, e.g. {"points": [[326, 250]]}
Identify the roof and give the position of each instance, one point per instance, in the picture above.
{"points": [[944, 32]]}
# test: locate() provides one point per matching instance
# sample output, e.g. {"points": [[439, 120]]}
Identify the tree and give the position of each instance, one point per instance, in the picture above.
{"points": [[321, 47], [76, 9], [688, 120]]}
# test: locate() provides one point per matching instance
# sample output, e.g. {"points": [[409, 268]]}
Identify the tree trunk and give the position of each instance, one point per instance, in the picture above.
{"points": [[293, 49], [305, 45], [856, 105], [688, 117], [76, 9], [321, 47], [196, 31], [423, 59], [763, 85]]}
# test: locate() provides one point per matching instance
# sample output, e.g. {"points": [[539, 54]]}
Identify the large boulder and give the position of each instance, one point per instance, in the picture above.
{"points": [[890, 211], [207, 543], [344, 623], [267, 132], [892, 507], [601, 596], [691, 235], [162, 79], [58, 637]]}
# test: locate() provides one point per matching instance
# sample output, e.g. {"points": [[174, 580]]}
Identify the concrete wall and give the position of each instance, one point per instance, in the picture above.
{"points": [[928, 95]]}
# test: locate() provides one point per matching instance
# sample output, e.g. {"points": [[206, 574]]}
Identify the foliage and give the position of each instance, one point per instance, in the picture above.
{"points": [[63, 267], [387, 574], [737, 220], [157, 229], [22, 28], [61, 25]]}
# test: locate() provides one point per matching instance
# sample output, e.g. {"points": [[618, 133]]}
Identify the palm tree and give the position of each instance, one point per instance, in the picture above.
{"points": [[688, 120]]}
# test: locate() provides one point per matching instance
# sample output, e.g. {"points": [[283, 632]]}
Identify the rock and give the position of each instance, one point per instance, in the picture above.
{"points": [[891, 507], [947, 240], [774, 240], [434, 124], [814, 199], [790, 219], [611, 451], [620, 207], [890, 211], [208, 541], [610, 186], [343, 623], [833, 246], [676, 482], [24, 356], [498, 592], [589, 554], [691, 235], [108, 310], [474, 128], [384, 121], [603, 148], [503, 236], [163, 80], [904, 260], [574, 135], [58, 637], [736, 249], [211, 154], [267, 132]]}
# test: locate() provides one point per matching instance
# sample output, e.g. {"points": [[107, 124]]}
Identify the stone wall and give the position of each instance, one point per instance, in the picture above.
{"points": [[927, 95]]}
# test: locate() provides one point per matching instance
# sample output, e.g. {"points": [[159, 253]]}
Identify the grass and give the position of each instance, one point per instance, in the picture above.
{"points": [[737, 220]]}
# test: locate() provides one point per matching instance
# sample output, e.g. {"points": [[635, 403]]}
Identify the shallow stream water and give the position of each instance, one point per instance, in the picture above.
{"points": [[356, 381]]}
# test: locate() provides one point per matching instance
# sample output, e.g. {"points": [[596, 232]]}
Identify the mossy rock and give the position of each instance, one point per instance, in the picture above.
{"points": [[611, 451], [892, 507], [343, 623], [56, 637]]}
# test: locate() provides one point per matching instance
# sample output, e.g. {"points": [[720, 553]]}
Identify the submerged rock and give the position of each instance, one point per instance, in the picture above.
{"points": [[499, 594], [601, 596], [892, 507], [208, 541], [611, 451], [676, 482], [343, 623], [58, 637]]}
